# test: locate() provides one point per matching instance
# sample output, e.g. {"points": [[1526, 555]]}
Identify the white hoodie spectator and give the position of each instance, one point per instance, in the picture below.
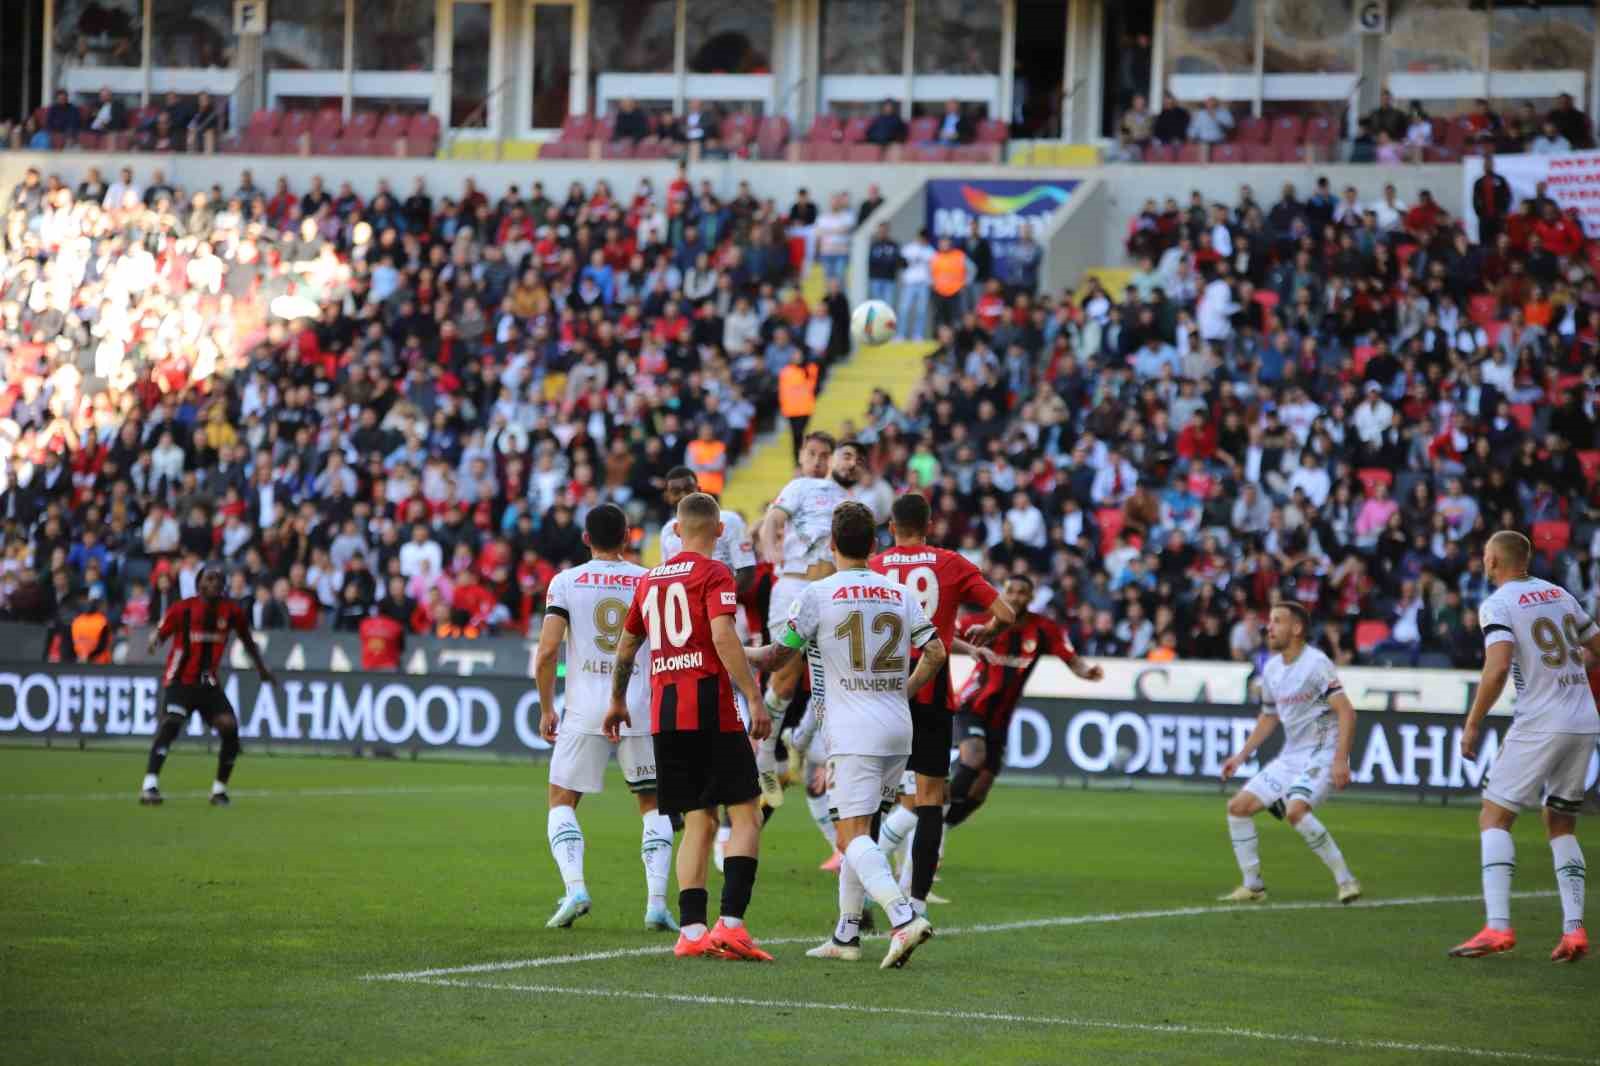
{"points": [[1027, 522]]}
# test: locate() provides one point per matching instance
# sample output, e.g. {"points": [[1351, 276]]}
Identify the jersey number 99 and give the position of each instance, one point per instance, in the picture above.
{"points": [[1554, 651]]}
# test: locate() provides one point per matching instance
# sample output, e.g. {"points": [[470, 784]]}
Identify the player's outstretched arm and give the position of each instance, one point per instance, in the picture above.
{"points": [[551, 633], [1341, 706], [725, 638], [1265, 724], [928, 665], [1496, 669], [981, 652], [773, 525], [617, 717], [1085, 669], [1001, 618]]}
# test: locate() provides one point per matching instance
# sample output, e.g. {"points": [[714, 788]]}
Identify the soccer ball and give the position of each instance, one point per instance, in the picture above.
{"points": [[872, 322]]}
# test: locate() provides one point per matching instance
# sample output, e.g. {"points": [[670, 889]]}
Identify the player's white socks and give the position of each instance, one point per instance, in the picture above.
{"points": [[894, 835], [1499, 863], [1242, 831], [656, 852], [873, 870], [150, 781], [805, 731], [1320, 841], [818, 806], [852, 895], [566, 845], [1570, 873]]}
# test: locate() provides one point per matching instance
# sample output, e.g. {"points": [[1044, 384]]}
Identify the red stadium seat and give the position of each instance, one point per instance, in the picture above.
{"points": [[617, 150], [361, 124], [1551, 537], [1521, 414], [653, 149], [1227, 153], [993, 131], [772, 136], [329, 122], [1161, 153], [1373, 476], [1288, 129], [1360, 356], [926, 153], [264, 122], [1260, 153], [1110, 520], [1252, 130], [1266, 298], [1192, 153], [978, 153], [1321, 131], [925, 128], [1440, 153], [1370, 633], [1287, 151], [822, 152], [296, 122], [1589, 460], [1492, 330], [864, 153], [564, 150], [1483, 308], [825, 127], [574, 128], [855, 131]]}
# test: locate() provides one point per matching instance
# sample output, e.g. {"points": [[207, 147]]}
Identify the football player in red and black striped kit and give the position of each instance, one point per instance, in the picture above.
{"points": [[990, 695], [199, 628]]}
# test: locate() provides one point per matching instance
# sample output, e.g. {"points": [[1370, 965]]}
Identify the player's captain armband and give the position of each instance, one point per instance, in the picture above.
{"points": [[791, 638], [730, 599]]}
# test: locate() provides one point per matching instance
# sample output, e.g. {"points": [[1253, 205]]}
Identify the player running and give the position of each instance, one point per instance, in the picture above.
{"points": [[863, 628], [989, 697], [703, 759], [1536, 633], [942, 582], [199, 628], [1300, 688], [586, 607], [794, 538]]}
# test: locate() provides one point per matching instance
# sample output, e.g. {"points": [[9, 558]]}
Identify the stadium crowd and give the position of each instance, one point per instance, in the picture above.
{"points": [[406, 406]]}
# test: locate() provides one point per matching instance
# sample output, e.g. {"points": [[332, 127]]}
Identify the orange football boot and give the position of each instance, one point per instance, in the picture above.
{"points": [[729, 942], [1573, 946], [1487, 942]]}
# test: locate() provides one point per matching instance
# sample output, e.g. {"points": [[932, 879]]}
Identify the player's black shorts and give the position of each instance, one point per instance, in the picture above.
{"points": [[209, 700], [932, 730], [697, 771], [976, 726]]}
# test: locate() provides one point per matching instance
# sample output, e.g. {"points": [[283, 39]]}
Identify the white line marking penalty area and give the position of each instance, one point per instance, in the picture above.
{"points": [[997, 927]]}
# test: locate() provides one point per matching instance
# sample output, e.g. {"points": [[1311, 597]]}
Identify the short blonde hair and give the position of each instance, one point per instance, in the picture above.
{"points": [[1512, 547], [698, 514]]}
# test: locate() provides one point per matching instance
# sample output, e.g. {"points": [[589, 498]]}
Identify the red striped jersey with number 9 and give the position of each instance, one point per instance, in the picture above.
{"points": [[943, 581], [673, 606]]}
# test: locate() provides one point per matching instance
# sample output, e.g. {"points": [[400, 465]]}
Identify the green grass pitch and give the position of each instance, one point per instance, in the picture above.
{"points": [[188, 934]]}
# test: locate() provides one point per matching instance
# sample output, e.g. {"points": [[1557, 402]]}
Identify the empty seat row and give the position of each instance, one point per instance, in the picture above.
{"points": [[326, 132]]}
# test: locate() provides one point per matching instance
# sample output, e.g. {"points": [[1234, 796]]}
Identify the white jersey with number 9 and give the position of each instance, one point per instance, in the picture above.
{"points": [[594, 599], [1546, 628]]}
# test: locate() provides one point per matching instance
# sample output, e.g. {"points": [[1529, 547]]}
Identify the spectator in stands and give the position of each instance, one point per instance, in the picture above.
{"points": [[1419, 132], [870, 203], [832, 234], [1482, 124], [1172, 124], [698, 126], [631, 123], [1134, 130], [1549, 141], [1212, 124], [1022, 264], [916, 281], [955, 126], [1571, 123], [1491, 201], [205, 121], [884, 263], [109, 114], [63, 117], [951, 272], [1387, 118], [887, 127]]}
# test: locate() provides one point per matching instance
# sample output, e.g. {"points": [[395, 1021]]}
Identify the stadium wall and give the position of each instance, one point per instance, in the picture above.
{"points": [[1126, 187]]}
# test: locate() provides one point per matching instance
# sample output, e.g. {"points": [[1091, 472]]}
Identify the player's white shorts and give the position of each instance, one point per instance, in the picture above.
{"points": [[1534, 766], [863, 785], [1306, 776], [784, 592], [579, 762]]}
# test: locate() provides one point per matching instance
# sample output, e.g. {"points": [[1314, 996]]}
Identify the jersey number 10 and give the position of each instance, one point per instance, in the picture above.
{"points": [[675, 613]]}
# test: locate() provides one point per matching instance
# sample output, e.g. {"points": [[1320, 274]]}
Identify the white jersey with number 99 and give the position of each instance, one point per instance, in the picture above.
{"points": [[1547, 629], [594, 599]]}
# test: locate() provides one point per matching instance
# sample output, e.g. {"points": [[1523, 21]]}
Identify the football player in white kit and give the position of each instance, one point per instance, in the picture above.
{"points": [[585, 609], [794, 538], [1300, 688], [734, 549], [863, 627], [1535, 633]]}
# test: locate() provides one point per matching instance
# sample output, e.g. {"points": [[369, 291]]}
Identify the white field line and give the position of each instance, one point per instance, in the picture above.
{"points": [[995, 927], [1175, 1029], [131, 793]]}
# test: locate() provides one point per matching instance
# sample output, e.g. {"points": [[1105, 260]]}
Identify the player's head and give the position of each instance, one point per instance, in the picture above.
{"points": [[679, 483], [1018, 592], [1506, 555], [209, 583], [816, 452], [699, 522], [849, 461], [1288, 626], [909, 518], [854, 533], [606, 528]]}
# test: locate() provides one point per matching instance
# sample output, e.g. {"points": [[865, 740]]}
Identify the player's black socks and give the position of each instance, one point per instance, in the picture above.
{"points": [[167, 732], [766, 815], [877, 825], [962, 779], [228, 755], [925, 849], [692, 906], [739, 881]]}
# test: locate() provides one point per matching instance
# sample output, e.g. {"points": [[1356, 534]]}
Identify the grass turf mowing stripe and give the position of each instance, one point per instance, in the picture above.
{"points": [[996, 927], [130, 796], [1162, 1028]]}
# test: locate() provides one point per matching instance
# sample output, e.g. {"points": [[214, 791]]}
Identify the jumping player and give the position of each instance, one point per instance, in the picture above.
{"points": [[942, 582], [586, 608], [990, 695], [734, 548], [199, 628], [863, 628], [1300, 688], [1535, 633], [685, 608]]}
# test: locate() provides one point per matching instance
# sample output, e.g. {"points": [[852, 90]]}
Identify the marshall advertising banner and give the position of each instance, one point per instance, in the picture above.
{"points": [[1065, 738], [999, 207]]}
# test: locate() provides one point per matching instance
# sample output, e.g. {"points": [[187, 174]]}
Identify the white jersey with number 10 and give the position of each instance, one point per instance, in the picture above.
{"points": [[1547, 629], [863, 627], [594, 599]]}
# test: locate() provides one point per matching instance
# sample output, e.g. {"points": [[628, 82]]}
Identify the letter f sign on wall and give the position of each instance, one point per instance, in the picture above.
{"points": [[249, 17]]}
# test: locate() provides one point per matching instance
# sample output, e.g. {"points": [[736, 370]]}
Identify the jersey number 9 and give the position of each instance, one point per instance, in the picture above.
{"points": [[1556, 647], [608, 618], [923, 583]]}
